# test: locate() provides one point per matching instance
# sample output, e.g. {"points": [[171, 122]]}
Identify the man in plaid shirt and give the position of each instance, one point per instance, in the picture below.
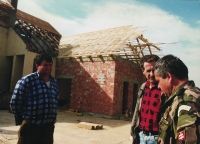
{"points": [[144, 126], [34, 103]]}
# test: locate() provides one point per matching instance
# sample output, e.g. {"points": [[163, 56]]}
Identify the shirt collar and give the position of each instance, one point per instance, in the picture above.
{"points": [[147, 85], [50, 77], [185, 85]]}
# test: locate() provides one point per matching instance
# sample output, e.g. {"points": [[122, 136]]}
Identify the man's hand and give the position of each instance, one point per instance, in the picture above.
{"points": [[160, 141]]}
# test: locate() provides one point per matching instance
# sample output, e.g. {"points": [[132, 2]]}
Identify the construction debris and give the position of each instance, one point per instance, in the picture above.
{"points": [[76, 112], [90, 126], [127, 116]]}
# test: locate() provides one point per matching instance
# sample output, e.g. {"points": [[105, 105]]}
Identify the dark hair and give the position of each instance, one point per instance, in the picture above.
{"points": [[148, 58], [173, 65], [40, 57]]}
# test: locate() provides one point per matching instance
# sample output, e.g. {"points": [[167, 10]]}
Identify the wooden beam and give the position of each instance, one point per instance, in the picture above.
{"points": [[140, 46], [150, 50]]}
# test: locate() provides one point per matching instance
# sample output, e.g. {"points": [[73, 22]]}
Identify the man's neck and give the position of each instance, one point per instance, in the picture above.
{"points": [[179, 83], [46, 78], [152, 84]]}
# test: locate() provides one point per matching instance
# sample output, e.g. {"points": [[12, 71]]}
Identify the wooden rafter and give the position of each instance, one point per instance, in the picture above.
{"points": [[139, 45], [125, 41]]}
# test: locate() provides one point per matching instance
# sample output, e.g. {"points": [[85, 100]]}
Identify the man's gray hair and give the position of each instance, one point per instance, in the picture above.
{"points": [[173, 65]]}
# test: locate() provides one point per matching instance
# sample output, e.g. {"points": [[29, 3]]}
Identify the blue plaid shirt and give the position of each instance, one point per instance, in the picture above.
{"points": [[34, 100]]}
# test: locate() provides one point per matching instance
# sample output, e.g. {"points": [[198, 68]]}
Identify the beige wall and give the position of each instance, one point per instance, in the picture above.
{"points": [[17, 49], [17, 70], [16, 46], [28, 63], [3, 40], [23, 65], [15, 60]]}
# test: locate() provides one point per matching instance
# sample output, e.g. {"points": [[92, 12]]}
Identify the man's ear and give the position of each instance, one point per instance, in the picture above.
{"points": [[142, 70], [169, 76], [36, 65]]}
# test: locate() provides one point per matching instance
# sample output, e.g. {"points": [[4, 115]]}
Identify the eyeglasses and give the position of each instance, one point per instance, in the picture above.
{"points": [[46, 65]]}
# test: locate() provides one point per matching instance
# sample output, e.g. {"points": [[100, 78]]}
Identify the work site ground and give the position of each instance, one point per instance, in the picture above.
{"points": [[68, 130]]}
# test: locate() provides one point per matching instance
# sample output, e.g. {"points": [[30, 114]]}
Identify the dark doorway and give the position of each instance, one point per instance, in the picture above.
{"points": [[9, 64], [125, 98], [64, 85], [135, 93]]}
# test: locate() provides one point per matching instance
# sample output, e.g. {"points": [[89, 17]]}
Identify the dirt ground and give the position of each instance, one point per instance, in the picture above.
{"points": [[67, 131]]}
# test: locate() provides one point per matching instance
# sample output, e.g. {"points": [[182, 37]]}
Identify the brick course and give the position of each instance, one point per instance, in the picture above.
{"points": [[97, 85]]}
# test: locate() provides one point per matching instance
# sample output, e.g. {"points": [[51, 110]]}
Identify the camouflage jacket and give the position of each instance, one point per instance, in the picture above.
{"points": [[136, 116], [180, 123]]}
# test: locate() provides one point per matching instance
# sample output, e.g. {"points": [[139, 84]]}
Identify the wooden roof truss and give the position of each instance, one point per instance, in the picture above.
{"points": [[37, 39], [126, 42]]}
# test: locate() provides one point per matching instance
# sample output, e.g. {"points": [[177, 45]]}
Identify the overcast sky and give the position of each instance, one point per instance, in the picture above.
{"points": [[163, 20]]}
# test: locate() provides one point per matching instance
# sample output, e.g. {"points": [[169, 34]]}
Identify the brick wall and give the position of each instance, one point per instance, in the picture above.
{"points": [[125, 72], [97, 85]]}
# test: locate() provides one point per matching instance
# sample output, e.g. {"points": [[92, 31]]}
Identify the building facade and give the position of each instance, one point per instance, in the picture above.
{"points": [[22, 36], [106, 87], [97, 72]]}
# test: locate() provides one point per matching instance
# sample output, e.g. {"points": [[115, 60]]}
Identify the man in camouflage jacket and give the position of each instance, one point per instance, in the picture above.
{"points": [[180, 123]]}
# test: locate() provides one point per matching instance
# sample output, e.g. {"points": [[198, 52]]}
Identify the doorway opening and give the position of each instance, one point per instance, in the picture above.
{"points": [[9, 63], [64, 85], [125, 98]]}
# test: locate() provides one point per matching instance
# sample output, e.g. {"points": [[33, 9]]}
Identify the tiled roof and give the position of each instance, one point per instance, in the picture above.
{"points": [[36, 22]]}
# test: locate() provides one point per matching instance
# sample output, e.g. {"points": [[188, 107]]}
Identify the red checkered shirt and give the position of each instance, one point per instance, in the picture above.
{"points": [[150, 108]]}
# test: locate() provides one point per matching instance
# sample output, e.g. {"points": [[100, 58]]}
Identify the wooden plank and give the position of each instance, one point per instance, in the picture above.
{"points": [[90, 126]]}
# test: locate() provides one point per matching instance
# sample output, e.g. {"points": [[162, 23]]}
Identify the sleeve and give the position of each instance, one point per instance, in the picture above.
{"points": [[134, 123], [58, 93], [16, 103], [188, 125]]}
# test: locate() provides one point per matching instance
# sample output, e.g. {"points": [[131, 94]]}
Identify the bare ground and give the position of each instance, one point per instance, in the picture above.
{"points": [[67, 131]]}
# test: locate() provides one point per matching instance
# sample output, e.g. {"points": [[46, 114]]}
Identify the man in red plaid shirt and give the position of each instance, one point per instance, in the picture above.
{"points": [[144, 126]]}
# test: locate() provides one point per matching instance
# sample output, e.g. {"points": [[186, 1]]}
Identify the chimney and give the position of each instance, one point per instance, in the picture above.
{"points": [[13, 13], [14, 3]]}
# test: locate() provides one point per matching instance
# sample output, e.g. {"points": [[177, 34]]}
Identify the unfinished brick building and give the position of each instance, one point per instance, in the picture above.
{"points": [[99, 71]]}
